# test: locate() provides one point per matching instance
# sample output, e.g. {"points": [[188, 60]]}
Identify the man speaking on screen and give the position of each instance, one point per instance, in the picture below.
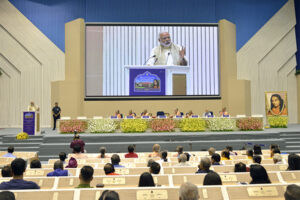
{"points": [[167, 53]]}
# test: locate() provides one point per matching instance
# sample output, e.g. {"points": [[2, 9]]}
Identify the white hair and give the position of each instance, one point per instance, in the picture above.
{"points": [[188, 191]]}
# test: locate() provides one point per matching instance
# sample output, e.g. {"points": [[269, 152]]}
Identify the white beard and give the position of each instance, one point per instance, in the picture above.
{"points": [[166, 45]]}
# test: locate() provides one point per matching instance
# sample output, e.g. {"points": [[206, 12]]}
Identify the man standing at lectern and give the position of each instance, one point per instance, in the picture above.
{"points": [[167, 53], [33, 107]]}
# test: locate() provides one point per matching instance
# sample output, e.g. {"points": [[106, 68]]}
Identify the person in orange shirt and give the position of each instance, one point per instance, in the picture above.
{"points": [[109, 169]]}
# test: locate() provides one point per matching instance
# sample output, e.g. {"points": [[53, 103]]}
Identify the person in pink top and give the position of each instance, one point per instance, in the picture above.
{"points": [[77, 142], [131, 153]]}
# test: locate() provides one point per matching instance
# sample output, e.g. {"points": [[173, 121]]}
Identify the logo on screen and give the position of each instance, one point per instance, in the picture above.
{"points": [[147, 82], [28, 116]]}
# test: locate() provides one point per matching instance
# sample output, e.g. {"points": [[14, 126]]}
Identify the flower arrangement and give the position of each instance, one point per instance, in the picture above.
{"points": [[22, 136], [247, 124], [69, 126], [133, 125], [163, 125], [192, 125], [278, 121], [101, 125], [221, 124]]}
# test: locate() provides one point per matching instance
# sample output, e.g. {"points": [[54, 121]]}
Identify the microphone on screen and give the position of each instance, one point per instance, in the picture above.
{"points": [[168, 58], [149, 59]]}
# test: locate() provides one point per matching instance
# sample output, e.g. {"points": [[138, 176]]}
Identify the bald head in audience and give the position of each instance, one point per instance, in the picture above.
{"points": [[211, 151], [292, 192], [182, 158], [188, 191]]}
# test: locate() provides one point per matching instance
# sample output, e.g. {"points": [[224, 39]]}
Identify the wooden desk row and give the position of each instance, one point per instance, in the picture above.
{"points": [[238, 192], [161, 180]]}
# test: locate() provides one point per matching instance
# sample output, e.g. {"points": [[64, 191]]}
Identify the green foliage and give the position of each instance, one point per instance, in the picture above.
{"points": [[249, 124], [297, 72], [278, 121], [133, 125], [220, 124], [192, 125], [101, 125]]}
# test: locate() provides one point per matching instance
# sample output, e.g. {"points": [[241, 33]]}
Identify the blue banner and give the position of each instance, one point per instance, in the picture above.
{"points": [[29, 122], [147, 82]]}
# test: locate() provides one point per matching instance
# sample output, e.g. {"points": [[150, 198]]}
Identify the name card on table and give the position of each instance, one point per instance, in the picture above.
{"points": [[129, 117], [114, 117], [122, 171], [162, 116], [151, 194], [114, 181], [195, 116], [228, 178], [262, 191], [178, 116], [145, 117]]}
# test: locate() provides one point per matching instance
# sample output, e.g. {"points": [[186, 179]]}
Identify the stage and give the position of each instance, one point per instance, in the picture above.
{"points": [[50, 143]]}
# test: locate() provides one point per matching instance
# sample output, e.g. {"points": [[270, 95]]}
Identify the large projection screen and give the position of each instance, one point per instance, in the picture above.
{"points": [[110, 47]]}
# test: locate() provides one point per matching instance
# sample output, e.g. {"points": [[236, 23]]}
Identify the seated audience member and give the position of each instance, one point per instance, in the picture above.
{"points": [[115, 161], [275, 150], [131, 153], [277, 159], [294, 162], [154, 168], [225, 155], [188, 191], [250, 154], [150, 161], [85, 177], [187, 156], [259, 175], [18, 167], [59, 169], [164, 156], [256, 159], [62, 156], [204, 165], [189, 114], [7, 195], [230, 149], [77, 141], [72, 163], [212, 178], [109, 195], [208, 113], [240, 167], [10, 151], [109, 169], [146, 180], [155, 151], [182, 160], [6, 171], [118, 114], [102, 151], [292, 192], [35, 164], [211, 151], [145, 113], [215, 159], [257, 150], [179, 150], [77, 153]]}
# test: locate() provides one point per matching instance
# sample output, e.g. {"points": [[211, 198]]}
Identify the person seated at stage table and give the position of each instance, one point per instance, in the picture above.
{"points": [[77, 141], [182, 160], [292, 192], [77, 154], [204, 166], [62, 157], [72, 163], [109, 169], [188, 191], [230, 149], [164, 156], [277, 159], [10, 151], [7, 195], [177, 113], [240, 167], [86, 177], [6, 171], [223, 112], [179, 150], [18, 167], [212, 178], [155, 151], [294, 162], [208, 113], [131, 153], [115, 161], [250, 154], [225, 155], [259, 175], [146, 180], [131, 113], [189, 114], [154, 168], [144, 113], [215, 159], [211, 151], [102, 151], [35, 164], [118, 114], [59, 169]]}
